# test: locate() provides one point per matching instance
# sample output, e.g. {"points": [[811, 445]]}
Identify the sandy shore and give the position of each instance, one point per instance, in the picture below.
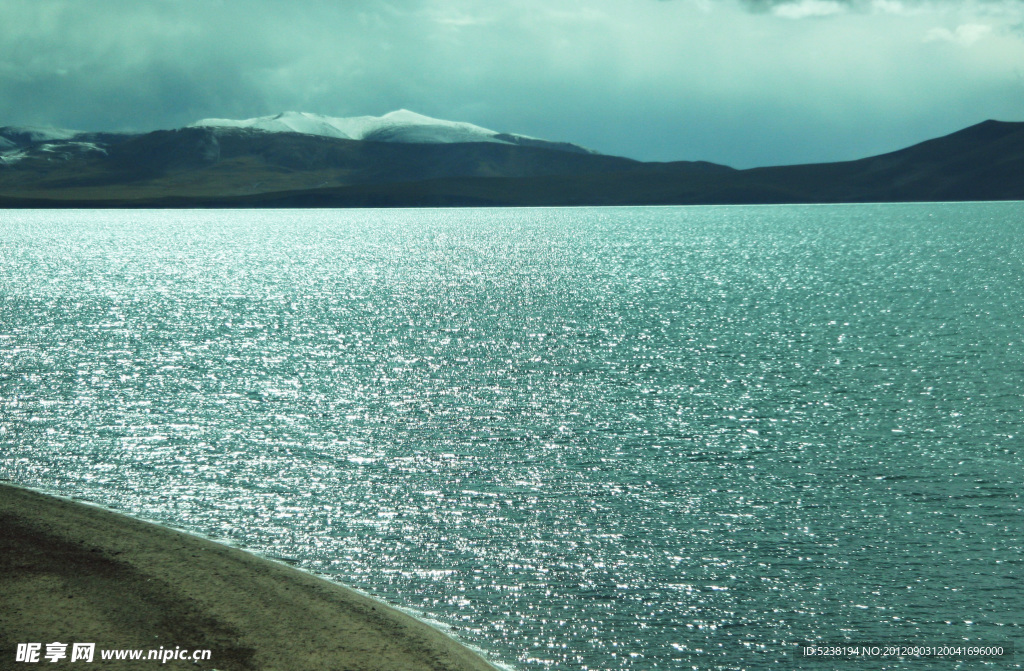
{"points": [[78, 574]]}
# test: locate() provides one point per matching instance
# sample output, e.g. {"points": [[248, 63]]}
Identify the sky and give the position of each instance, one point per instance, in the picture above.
{"points": [[739, 82]]}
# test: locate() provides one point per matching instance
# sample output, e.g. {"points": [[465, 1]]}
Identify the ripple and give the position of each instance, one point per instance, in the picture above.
{"points": [[622, 438]]}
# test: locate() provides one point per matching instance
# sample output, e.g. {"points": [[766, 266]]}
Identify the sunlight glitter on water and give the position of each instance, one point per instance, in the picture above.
{"points": [[624, 438]]}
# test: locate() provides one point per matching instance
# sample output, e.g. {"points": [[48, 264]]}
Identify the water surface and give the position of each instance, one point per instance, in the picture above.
{"points": [[619, 438]]}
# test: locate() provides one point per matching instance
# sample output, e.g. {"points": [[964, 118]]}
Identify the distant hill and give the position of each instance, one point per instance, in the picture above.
{"points": [[406, 159]]}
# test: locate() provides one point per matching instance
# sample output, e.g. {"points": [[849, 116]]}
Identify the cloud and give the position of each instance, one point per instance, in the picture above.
{"points": [[799, 8], [963, 35], [807, 8]]}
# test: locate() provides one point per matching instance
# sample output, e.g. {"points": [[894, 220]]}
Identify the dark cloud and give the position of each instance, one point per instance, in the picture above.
{"points": [[735, 81]]}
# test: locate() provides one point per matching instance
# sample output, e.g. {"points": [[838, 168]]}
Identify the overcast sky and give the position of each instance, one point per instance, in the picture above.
{"points": [[740, 82]]}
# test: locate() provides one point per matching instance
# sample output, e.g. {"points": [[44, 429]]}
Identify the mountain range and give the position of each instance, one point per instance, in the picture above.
{"points": [[405, 159]]}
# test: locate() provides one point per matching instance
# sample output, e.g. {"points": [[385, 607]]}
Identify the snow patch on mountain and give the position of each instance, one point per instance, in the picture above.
{"points": [[17, 142], [399, 126], [18, 135]]}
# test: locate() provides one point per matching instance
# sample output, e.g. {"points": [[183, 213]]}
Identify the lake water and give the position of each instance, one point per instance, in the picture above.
{"points": [[610, 438]]}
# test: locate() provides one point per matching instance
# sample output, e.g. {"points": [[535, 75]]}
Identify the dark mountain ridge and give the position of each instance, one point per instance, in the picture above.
{"points": [[245, 167]]}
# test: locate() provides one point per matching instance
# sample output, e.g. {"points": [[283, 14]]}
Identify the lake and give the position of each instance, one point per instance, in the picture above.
{"points": [[582, 438]]}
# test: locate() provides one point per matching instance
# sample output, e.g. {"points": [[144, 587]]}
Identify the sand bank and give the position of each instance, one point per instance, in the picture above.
{"points": [[73, 573]]}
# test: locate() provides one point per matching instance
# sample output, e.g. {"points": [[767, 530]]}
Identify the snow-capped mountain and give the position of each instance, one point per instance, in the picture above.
{"points": [[400, 126], [287, 152]]}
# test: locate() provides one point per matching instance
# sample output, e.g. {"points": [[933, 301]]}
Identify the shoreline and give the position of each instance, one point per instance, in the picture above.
{"points": [[76, 573]]}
